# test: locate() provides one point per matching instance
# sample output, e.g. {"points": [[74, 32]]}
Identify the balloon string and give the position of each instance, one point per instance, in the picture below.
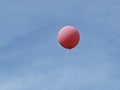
{"points": [[68, 51]]}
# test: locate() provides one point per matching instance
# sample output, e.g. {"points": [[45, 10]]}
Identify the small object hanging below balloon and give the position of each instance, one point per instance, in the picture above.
{"points": [[67, 52]]}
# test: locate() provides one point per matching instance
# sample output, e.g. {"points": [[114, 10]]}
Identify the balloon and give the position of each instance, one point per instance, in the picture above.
{"points": [[68, 37]]}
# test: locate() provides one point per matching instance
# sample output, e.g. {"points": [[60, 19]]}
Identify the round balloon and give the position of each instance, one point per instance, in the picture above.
{"points": [[68, 37]]}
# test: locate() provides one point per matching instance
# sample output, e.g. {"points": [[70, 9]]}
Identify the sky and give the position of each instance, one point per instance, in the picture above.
{"points": [[32, 59]]}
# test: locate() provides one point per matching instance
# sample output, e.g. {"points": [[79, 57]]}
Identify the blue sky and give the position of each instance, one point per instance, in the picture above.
{"points": [[32, 59]]}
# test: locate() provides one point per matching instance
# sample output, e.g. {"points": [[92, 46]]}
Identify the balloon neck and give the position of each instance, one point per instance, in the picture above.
{"points": [[69, 48]]}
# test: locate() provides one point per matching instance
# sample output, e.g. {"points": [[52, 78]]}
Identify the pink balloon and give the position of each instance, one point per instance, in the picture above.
{"points": [[68, 37]]}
